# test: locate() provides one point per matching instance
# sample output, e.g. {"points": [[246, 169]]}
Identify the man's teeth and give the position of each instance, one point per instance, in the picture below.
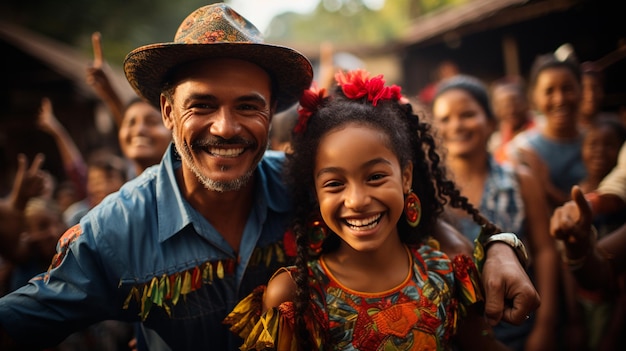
{"points": [[367, 223], [226, 152]]}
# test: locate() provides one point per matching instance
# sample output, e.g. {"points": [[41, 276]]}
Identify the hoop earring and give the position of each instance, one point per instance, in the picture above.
{"points": [[412, 209]]}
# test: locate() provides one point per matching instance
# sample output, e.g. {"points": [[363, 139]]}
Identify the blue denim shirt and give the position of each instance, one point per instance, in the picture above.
{"points": [[145, 254], [501, 202], [563, 159]]}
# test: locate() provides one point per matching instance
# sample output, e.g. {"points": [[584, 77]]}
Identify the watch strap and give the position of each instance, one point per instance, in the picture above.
{"points": [[513, 241]]}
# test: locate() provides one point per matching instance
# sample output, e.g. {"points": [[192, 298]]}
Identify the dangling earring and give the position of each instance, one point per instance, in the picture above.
{"points": [[317, 232], [412, 209]]}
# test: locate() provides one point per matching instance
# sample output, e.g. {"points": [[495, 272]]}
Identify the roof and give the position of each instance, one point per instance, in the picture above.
{"points": [[478, 15], [60, 57]]}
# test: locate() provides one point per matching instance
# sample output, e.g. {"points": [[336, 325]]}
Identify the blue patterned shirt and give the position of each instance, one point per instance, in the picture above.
{"points": [[144, 254]]}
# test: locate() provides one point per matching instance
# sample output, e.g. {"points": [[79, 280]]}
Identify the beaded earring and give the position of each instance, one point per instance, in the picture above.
{"points": [[412, 209], [317, 232]]}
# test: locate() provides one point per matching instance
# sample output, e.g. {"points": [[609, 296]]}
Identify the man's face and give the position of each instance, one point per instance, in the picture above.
{"points": [[220, 115]]}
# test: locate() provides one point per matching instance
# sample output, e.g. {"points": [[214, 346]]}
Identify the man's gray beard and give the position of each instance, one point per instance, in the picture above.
{"points": [[210, 184]]}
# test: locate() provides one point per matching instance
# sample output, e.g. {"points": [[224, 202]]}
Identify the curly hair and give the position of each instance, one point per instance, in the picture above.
{"points": [[408, 137]]}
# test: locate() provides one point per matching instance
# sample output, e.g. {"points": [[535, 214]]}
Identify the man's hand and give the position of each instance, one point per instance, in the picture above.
{"points": [[509, 294]]}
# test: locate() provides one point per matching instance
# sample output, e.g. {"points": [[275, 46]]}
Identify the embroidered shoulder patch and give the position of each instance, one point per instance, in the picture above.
{"points": [[64, 243]]}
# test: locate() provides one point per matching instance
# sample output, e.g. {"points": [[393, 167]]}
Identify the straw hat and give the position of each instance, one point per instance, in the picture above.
{"points": [[217, 31]]}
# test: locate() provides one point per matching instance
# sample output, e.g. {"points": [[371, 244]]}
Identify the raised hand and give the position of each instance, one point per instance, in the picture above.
{"points": [[571, 223], [97, 78], [97, 50], [29, 181], [46, 120]]}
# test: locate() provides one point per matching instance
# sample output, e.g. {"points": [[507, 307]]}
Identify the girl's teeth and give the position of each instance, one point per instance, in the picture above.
{"points": [[369, 222]]}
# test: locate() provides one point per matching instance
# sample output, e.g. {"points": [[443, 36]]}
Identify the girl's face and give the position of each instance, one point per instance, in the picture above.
{"points": [[557, 96], [462, 123], [360, 186], [600, 150]]}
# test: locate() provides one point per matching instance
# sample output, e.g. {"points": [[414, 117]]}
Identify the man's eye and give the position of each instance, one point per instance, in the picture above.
{"points": [[249, 107], [200, 106]]}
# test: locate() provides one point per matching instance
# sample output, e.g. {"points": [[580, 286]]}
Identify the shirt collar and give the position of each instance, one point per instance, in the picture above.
{"points": [[175, 213]]}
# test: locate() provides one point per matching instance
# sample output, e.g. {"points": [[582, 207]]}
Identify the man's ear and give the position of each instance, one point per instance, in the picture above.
{"points": [[166, 112]]}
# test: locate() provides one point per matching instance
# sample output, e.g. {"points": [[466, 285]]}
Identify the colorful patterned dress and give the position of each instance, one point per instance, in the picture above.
{"points": [[419, 314]]}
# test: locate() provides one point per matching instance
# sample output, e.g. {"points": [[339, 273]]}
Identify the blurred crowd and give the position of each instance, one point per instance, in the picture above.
{"points": [[516, 147]]}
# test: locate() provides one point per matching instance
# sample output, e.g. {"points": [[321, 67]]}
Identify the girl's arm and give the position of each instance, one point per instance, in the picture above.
{"points": [[281, 288]]}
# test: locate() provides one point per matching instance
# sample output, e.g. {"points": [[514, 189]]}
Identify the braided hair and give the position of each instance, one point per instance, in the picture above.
{"points": [[410, 139]]}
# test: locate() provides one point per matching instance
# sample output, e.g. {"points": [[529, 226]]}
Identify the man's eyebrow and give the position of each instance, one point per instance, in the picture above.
{"points": [[253, 97], [193, 97]]}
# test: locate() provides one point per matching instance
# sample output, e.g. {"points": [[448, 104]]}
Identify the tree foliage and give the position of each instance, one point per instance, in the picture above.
{"points": [[352, 22], [125, 25], [342, 22]]}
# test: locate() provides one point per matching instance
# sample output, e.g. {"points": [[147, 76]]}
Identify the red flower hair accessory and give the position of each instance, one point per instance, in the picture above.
{"points": [[357, 84], [310, 102]]}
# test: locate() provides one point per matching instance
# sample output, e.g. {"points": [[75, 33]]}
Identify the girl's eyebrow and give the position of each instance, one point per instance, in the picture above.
{"points": [[365, 165]]}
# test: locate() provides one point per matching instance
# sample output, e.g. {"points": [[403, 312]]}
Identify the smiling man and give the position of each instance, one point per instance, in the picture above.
{"points": [[181, 244]]}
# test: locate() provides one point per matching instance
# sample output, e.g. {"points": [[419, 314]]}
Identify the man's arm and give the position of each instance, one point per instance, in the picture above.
{"points": [[451, 241], [509, 293]]}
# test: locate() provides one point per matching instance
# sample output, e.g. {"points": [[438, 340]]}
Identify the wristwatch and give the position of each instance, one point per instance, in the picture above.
{"points": [[513, 241]]}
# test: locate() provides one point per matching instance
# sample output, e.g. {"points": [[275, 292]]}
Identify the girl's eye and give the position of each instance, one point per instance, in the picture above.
{"points": [[377, 176], [332, 184]]}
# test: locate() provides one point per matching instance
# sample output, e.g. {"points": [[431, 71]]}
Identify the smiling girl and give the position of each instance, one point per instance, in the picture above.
{"points": [[369, 188]]}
